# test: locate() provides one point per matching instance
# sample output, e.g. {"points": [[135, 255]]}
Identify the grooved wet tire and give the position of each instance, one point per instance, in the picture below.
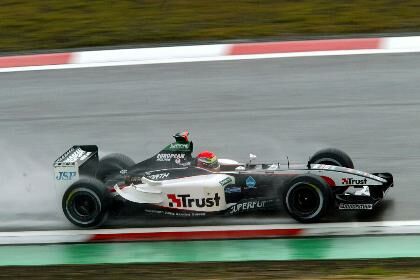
{"points": [[307, 198], [112, 164], [332, 156], [85, 203]]}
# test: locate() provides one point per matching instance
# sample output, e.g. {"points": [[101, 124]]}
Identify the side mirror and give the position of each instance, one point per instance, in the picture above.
{"points": [[251, 158]]}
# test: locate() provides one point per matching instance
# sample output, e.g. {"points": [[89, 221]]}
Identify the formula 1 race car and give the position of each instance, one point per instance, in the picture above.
{"points": [[171, 184]]}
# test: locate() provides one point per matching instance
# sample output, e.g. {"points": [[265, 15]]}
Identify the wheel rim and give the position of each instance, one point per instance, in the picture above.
{"points": [[83, 206], [304, 200]]}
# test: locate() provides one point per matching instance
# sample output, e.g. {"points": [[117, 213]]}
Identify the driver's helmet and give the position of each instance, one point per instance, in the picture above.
{"points": [[208, 160]]}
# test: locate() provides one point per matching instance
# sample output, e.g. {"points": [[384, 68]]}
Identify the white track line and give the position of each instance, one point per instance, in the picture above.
{"points": [[209, 59], [305, 230], [344, 225]]}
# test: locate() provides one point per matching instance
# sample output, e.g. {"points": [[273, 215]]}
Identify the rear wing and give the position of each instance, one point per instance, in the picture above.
{"points": [[79, 160]]}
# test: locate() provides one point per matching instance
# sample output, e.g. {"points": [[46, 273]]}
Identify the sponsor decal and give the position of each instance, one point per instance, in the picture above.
{"points": [[158, 176], [226, 181], [176, 214], [168, 157], [353, 206], [133, 180], [178, 146], [233, 189], [65, 176], [65, 155], [250, 182], [186, 201], [178, 161], [250, 205], [352, 181], [123, 171], [74, 155]]}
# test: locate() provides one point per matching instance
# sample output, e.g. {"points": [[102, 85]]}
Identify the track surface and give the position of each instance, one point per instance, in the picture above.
{"points": [[366, 105]]}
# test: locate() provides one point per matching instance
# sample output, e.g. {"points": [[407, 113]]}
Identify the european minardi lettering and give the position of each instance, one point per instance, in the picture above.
{"points": [[168, 157]]}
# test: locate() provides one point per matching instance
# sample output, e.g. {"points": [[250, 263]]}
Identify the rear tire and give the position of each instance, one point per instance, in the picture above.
{"points": [[85, 203], [307, 198], [112, 164], [332, 156]]}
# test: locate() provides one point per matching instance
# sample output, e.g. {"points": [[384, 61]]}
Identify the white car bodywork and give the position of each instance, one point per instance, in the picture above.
{"points": [[207, 192], [197, 193]]}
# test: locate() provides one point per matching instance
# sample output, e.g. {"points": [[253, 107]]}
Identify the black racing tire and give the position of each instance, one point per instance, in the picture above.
{"points": [[112, 164], [307, 198], [332, 156], [85, 203]]}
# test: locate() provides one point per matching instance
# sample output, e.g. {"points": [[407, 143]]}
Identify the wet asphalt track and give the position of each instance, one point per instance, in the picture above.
{"points": [[367, 105]]}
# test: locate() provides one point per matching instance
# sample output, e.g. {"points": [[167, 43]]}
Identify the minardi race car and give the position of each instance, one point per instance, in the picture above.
{"points": [[171, 184]]}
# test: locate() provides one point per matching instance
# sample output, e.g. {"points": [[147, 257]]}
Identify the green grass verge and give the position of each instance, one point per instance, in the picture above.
{"points": [[354, 269], [55, 24]]}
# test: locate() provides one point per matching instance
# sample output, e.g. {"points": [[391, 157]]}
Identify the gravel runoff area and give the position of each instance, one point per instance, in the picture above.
{"points": [[343, 269]]}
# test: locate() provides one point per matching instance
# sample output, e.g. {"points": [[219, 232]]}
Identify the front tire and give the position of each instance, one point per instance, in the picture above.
{"points": [[85, 203], [332, 156], [307, 198]]}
